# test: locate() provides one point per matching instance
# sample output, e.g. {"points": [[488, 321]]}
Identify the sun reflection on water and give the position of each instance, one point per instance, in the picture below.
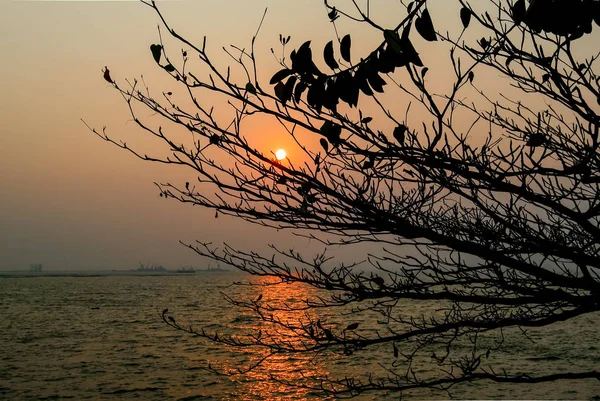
{"points": [[276, 376]]}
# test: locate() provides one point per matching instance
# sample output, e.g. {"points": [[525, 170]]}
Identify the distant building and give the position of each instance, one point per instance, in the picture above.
{"points": [[150, 268], [35, 268]]}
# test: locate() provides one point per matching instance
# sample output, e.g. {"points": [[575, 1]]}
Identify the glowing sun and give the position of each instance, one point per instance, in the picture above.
{"points": [[280, 154]]}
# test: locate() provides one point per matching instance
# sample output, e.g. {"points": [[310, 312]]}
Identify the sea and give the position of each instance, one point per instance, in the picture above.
{"points": [[100, 336]]}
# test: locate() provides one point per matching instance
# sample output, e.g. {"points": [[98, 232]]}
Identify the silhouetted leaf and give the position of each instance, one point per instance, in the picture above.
{"points": [[536, 139], [361, 81], [395, 350], [408, 48], [303, 63], [547, 61], [304, 189], [379, 281], [576, 35], [423, 72], [424, 26], [556, 78], [483, 42], [345, 48], [324, 144], [366, 120], [301, 87], [399, 133], [156, 52], [288, 89], [107, 76], [352, 326], [329, 57], [331, 96], [465, 16], [332, 132], [471, 76], [280, 75], [215, 139], [386, 60], [376, 82], [315, 94], [517, 11], [169, 68], [250, 88], [333, 14], [402, 48], [393, 40], [304, 47], [352, 91], [545, 78], [347, 88], [279, 91]]}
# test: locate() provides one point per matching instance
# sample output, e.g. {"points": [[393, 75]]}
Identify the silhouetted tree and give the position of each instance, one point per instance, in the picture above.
{"points": [[485, 205]]}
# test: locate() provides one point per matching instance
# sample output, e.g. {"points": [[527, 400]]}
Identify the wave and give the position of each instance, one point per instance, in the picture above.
{"points": [[133, 390]]}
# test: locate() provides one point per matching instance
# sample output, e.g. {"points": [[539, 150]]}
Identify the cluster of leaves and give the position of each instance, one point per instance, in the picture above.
{"points": [[346, 83], [562, 17], [157, 51]]}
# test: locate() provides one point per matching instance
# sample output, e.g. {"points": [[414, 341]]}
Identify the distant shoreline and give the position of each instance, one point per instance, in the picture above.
{"points": [[103, 273]]}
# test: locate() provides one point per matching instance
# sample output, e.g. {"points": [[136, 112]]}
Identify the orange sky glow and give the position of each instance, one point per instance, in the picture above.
{"points": [[71, 201]]}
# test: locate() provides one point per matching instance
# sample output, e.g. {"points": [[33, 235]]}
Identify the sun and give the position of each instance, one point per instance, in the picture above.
{"points": [[280, 154]]}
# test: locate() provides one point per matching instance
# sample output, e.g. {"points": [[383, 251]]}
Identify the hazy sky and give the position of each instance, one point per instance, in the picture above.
{"points": [[70, 200]]}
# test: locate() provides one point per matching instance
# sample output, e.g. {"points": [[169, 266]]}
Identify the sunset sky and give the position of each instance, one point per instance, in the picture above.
{"points": [[71, 201]]}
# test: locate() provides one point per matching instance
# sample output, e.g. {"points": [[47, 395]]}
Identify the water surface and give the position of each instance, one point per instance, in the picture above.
{"points": [[102, 338]]}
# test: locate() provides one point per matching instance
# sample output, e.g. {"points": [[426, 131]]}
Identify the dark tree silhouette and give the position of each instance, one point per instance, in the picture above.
{"points": [[485, 204]]}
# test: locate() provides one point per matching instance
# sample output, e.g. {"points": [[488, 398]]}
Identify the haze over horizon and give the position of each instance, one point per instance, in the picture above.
{"points": [[72, 201], [69, 200]]}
